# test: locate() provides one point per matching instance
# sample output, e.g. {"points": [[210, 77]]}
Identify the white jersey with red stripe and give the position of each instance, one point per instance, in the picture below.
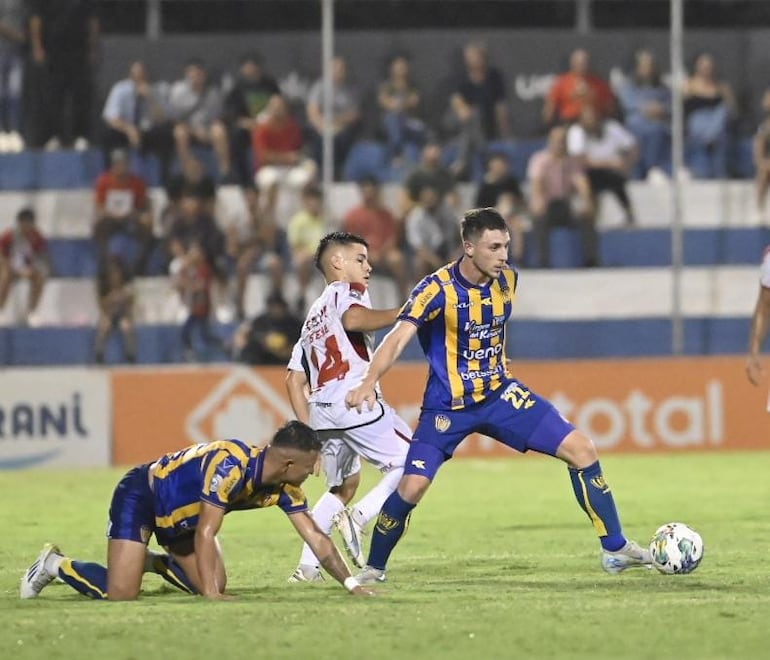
{"points": [[334, 361]]}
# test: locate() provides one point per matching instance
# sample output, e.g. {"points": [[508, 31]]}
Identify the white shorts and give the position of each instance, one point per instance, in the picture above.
{"points": [[380, 437]]}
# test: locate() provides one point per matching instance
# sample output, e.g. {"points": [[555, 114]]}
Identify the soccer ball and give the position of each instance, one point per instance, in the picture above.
{"points": [[676, 548]]}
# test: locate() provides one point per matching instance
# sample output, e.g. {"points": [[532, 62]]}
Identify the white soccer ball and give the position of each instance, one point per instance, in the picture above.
{"points": [[676, 548]]}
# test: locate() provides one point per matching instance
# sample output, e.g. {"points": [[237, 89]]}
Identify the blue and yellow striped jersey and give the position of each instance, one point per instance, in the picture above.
{"points": [[227, 474], [462, 333]]}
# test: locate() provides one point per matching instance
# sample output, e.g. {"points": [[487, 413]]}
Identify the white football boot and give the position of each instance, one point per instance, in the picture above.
{"points": [[629, 556], [370, 575], [305, 573], [37, 576], [352, 536]]}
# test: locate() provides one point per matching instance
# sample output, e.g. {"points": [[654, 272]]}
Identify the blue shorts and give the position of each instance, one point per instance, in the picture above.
{"points": [[132, 510], [513, 415]]}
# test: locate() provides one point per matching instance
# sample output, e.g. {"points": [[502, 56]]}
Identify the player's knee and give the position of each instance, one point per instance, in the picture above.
{"points": [[122, 591], [578, 450], [412, 488]]}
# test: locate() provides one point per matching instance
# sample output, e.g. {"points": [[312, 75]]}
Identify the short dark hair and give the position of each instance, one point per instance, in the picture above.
{"points": [[297, 435], [25, 215], [336, 238], [476, 221]]}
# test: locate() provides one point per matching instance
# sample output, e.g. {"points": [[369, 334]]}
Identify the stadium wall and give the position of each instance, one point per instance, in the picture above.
{"points": [[93, 417]]}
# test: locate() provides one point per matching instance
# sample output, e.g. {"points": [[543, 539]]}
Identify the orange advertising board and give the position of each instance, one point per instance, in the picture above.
{"points": [[668, 404]]}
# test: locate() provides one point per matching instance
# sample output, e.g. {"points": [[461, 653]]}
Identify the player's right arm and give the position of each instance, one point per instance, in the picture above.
{"points": [[364, 319], [296, 386], [384, 357], [759, 327], [209, 523], [326, 551]]}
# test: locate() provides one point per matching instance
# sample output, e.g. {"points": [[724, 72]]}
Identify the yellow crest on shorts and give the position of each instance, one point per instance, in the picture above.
{"points": [[442, 423]]}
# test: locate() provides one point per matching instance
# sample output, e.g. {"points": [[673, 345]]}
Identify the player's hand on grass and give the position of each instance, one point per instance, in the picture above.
{"points": [[363, 591], [754, 369], [358, 395], [219, 596]]}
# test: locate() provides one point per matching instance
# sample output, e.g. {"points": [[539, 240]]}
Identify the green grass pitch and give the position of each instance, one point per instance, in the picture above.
{"points": [[499, 562]]}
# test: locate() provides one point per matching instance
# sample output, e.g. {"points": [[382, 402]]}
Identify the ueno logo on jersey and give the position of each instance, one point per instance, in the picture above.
{"points": [[483, 353]]}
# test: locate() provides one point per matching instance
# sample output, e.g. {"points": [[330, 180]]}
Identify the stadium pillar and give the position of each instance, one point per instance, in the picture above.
{"points": [[153, 20], [584, 16], [327, 54], [677, 157]]}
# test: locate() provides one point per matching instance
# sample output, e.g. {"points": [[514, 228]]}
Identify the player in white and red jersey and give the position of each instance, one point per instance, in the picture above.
{"points": [[760, 323], [330, 357]]}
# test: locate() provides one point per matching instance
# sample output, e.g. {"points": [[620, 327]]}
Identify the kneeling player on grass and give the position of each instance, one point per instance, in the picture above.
{"points": [[182, 498]]}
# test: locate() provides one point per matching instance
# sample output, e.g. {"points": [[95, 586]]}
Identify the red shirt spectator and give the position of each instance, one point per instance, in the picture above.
{"points": [[23, 248], [120, 195], [574, 90], [276, 136]]}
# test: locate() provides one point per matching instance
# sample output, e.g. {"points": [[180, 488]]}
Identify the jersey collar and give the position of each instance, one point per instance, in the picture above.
{"points": [[455, 268]]}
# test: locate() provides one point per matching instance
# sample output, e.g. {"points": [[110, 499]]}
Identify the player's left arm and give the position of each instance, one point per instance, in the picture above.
{"points": [[759, 327], [296, 386], [358, 318], [326, 551], [209, 524]]}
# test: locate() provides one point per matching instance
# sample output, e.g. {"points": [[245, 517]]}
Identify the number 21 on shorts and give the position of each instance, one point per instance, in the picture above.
{"points": [[518, 396]]}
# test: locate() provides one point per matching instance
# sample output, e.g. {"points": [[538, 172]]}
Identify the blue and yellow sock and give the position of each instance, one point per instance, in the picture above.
{"points": [[171, 572], [595, 498], [87, 578], [390, 527]]}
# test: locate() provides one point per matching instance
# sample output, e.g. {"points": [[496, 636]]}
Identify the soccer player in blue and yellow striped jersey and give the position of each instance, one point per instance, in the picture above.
{"points": [[459, 314], [182, 498]]}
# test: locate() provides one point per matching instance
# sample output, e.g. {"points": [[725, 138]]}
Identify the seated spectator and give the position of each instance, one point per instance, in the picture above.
{"points": [[708, 104], [268, 338], [429, 172], [646, 104], [243, 105], [12, 41], [399, 101], [135, 116], [192, 223], [345, 121], [192, 277], [196, 108], [500, 190], [278, 153], [608, 152], [261, 245], [305, 231], [24, 255], [557, 180], [762, 157], [478, 109], [192, 180], [575, 89], [116, 309], [122, 208], [432, 233], [374, 222]]}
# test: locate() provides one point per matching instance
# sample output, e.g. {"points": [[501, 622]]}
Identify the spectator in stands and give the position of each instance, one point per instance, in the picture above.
{"points": [[192, 223], [268, 338], [192, 276], [646, 104], [761, 148], [399, 101], [708, 105], [136, 117], [500, 190], [372, 220], [24, 255], [432, 232], [608, 152], [123, 208], [12, 39], [260, 245], [192, 180], [196, 108], [278, 153], [305, 230], [243, 105], [478, 109], [575, 89], [560, 195], [429, 172], [116, 309], [64, 40], [345, 121]]}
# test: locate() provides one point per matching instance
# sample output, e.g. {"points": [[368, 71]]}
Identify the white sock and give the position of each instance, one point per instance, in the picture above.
{"points": [[370, 504], [52, 563], [323, 512]]}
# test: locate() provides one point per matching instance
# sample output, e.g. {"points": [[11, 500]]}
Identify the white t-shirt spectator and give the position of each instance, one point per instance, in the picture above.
{"points": [[610, 143]]}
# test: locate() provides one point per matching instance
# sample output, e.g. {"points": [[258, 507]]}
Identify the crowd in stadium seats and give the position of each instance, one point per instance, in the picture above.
{"points": [[246, 136]]}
